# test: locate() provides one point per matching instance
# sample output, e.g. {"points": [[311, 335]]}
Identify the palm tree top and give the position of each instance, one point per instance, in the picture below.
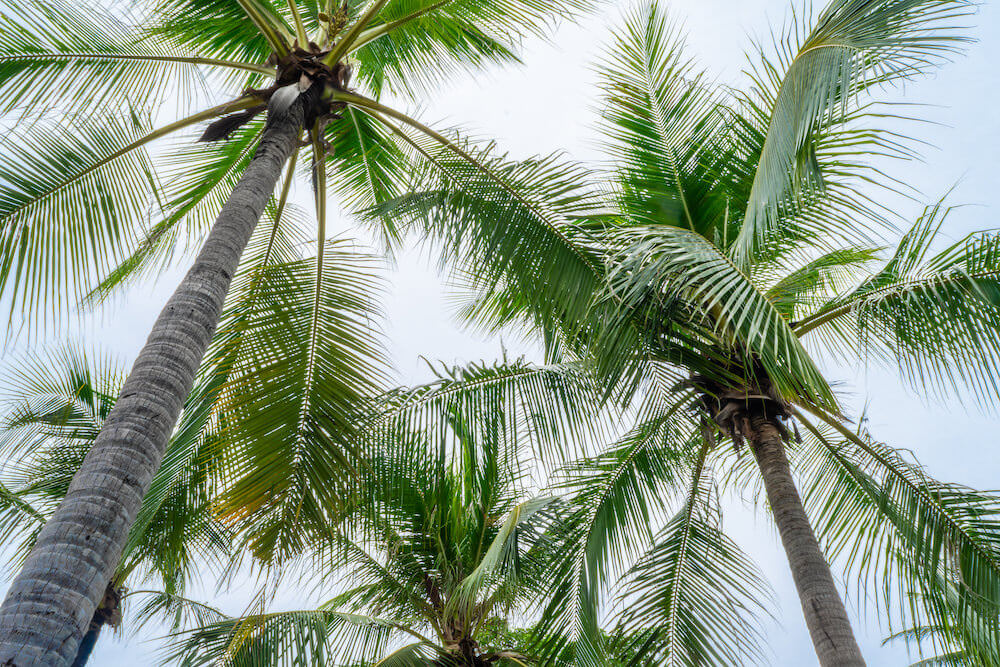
{"points": [[446, 543], [741, 232], [93, 78]]}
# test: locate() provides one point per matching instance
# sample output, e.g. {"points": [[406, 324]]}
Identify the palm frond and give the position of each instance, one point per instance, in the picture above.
{"points": [[293, 398], [805, 288], [538, 412], [414, 44], [314, 637], [234, 35], [664, 128], [695, 598], [502, 560], [613, 500], [195, 180], [56, 240], [509, 225], [82, 58], [935, 316], [926, 550], [367, 167], [819, 74]]}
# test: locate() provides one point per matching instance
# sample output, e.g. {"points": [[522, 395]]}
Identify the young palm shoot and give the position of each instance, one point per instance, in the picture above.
{"points": [[58, 239]]}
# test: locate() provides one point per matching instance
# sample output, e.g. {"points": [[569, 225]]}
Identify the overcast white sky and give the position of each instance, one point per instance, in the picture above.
{"points": [[549, 105]]}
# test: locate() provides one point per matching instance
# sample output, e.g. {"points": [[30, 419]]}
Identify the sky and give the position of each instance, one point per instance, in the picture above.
{"points": [[550, 104]]}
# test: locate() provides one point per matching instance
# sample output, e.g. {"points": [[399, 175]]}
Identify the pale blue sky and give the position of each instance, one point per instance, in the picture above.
{"points": [[548, 105]]}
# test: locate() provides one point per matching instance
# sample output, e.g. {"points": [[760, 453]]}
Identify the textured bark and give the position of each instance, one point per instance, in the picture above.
{"points": [[826, 617], [51, 602]]}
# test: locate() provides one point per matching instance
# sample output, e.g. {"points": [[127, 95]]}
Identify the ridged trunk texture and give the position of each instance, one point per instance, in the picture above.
{"points": [[51, 602], [826, 617]]}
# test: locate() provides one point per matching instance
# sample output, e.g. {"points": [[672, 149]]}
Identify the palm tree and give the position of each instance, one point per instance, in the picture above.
{"points": [[56, 404], [741, 226], [444, 545], [76, 196]]}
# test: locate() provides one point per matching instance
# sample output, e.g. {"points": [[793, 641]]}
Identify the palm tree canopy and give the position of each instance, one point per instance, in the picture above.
{"points": [[447, 541], [88, 209], [743, 232]]}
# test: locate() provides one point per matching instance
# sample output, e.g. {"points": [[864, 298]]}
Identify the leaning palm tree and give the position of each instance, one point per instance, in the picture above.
{"points": [[77, 198], [743, 226], [55, 405], [447, 541]]}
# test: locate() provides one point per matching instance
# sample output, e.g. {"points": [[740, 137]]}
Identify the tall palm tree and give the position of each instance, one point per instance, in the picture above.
{"points": [[56, 403], [741, 226], [448, 540], [76, 196]]}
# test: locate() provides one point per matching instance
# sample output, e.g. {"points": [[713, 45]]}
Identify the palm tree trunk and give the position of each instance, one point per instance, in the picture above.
{"points": [[51, 602], [826, 617], [87, 645]]}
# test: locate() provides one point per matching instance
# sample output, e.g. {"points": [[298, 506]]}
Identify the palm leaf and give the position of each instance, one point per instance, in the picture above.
{"points": [[413, 44], [927, 550], [936, 316], [614, 500], [292, 402], [820, 72], [55, 239], [695, 598]]}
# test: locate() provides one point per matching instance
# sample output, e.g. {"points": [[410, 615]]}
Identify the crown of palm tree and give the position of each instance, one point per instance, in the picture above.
{"points": [[87, 211], [444, 543], [743, 226]]}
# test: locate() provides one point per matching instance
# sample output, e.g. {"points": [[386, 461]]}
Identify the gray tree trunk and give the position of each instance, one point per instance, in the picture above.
{"points": [[826, 617], [51, 602]]}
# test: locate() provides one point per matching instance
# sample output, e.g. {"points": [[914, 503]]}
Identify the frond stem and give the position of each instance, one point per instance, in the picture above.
{"points": [[188, 60], [819, 319], [372, 34], [236, 105], [265, 23], [300, 28]]}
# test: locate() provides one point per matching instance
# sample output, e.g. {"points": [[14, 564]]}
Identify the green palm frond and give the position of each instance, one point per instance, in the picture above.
{"points": [[803, 289], [695, 598], [416, 43], [234, 35], [614, 500], [503, 559], [145, 606], [315, 637], [664, 128], [664, 263], [539, 412], [292, 401], [195, 181], [56, 240], [817, 79], [928, 551], [509, 225], [367, 167], [82, 58], [934, 315]]}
